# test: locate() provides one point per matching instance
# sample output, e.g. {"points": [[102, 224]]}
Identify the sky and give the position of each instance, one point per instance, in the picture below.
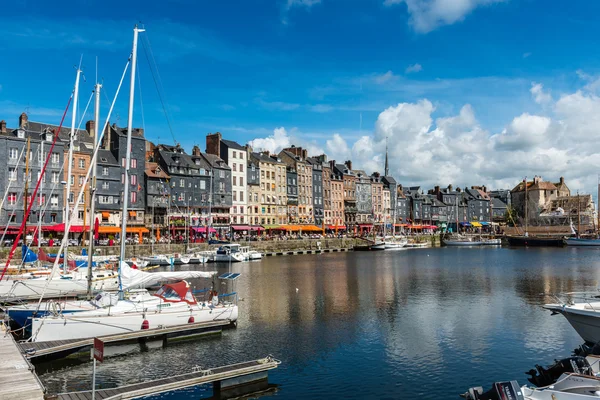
{"points": [[463, 92]]}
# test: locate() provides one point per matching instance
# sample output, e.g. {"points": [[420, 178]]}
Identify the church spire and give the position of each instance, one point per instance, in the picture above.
{"points": [[386, 159]]}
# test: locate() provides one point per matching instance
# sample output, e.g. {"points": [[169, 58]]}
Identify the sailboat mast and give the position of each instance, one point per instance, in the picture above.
{"points": [[41, 196], [526, 206], [578, 214], [128, 154], [69, 166], [92, 234], [26, 187]]}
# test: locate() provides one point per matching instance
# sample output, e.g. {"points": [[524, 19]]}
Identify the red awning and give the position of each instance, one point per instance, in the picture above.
{"points": [[365, 225], [334, 227], [257, 228], [61, 228], [202, 229], [240, 227]]}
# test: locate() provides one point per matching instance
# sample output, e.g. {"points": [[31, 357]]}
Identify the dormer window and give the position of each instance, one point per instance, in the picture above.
{"points": [[20, 133]]}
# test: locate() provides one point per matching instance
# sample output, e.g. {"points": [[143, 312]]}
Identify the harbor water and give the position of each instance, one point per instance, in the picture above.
{"points": [[422, 323]]}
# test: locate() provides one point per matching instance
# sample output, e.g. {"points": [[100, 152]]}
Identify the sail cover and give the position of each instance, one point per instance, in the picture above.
{"points": [[132, 278]]}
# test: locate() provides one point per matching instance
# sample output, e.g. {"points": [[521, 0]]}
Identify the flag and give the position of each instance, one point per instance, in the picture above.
{"points": [[96, 226], [139, 187]]}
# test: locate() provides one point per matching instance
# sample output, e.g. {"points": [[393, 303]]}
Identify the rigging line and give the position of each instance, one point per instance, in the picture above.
{"points": [[37, 186], [141, 100], [87, 178], [11, 181], [157, 83]]}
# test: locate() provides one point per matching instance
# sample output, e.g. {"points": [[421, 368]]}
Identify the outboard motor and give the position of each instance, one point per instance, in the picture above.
{"points": [[541, 376], [499, 391]]}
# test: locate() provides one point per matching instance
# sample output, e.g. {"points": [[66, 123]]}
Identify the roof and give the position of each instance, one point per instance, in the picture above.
{"points": [[215, 162], [106, 157], [534, 185], [232, 144], [265, 158], [154, 171], [135, 132], [497, 203], [389, 180]]}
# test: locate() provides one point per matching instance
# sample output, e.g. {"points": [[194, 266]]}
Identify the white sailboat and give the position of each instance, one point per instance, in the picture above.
{"points": [[176, 304]]}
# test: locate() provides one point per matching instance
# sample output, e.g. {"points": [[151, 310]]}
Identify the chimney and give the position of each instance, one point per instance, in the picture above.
{"points": [[304, 154], [450, 187], [140, 132], [213, 144], [196, 151], [90, 127], [562, 179], [23, 119], [266, 153], [349, 164], [3, 126], [457, 189], [107, 134], [537, 179]]}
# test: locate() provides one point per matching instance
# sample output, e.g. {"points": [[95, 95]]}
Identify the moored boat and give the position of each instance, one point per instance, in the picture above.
{"points": [[535, 241], [581, 241]]}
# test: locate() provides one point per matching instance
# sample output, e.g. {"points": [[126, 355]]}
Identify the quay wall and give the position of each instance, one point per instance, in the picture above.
{"points": [[138, 250]]}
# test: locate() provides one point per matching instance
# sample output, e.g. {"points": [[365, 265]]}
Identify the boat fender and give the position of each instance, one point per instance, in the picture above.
{"points": [[191, 319], [145, 324]]}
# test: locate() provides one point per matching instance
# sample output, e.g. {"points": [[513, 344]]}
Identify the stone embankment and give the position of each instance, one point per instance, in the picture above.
{"points": [[267, 246]]}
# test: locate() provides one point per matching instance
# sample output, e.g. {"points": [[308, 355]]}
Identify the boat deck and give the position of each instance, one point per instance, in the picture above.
{"points": [[17, 377]]}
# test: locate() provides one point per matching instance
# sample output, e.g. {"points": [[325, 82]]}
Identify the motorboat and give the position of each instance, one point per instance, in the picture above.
{"points": [[254, 255], [569, 379], [232, 252], [583, 314], [173, 304]]}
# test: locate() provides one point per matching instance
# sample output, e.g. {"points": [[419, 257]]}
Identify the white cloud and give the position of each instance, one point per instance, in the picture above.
{"points": [[427, 15], [383, 78], [413, 68], [281, 139], [540, 97], [289, 4], [274, 143]]}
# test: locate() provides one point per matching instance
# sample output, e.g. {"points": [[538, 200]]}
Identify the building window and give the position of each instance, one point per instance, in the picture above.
{"points": [[54, 177], [105, 171], [234, 167], [235, 181], [241, 181], [202, 185], [122, 178], [241, 167], [13, 153], [71, 197], [55, 158], [234, 196], [52, 217], [12, 174], [81, 180], [181, 197], [222, 186], [182, 182], [241, 196], [12, 199], [41, 200], [54, 200], [123, 162], [72, 180], [235, 154], [133, 163], [241, 155], [133, 197], [221, 174], [105, 185], [133, 180], [82, 163]]}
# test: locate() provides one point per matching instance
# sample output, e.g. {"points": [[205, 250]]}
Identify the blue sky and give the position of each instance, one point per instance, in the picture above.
{"points": [[317, 68]]}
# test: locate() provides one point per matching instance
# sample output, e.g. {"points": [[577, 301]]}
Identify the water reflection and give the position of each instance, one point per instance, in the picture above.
{"points": [[426, 323]]}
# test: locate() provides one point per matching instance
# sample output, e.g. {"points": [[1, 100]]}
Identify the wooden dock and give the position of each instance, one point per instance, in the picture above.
{"points": [[297, 252], [17, 377], [52, 350], [231, 378]]}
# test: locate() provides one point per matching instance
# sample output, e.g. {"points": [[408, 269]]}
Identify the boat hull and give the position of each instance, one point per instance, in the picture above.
{"points": [[582, 242], [78, 327], [530, 241], [378, 246], [585, 322]]}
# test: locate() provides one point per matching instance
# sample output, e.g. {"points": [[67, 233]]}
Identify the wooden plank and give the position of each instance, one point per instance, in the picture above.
{"points": [[18, 378]]}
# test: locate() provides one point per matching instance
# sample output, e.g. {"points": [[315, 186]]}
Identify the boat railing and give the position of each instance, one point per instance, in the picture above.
{"points": [[572, 298]]}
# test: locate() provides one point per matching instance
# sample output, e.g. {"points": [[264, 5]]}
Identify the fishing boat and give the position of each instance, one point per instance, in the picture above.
{"points": [[174, 304]]}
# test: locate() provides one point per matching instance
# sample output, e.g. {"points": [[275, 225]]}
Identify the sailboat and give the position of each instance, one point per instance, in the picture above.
{"points": [[174, 304], [578, 240]]}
